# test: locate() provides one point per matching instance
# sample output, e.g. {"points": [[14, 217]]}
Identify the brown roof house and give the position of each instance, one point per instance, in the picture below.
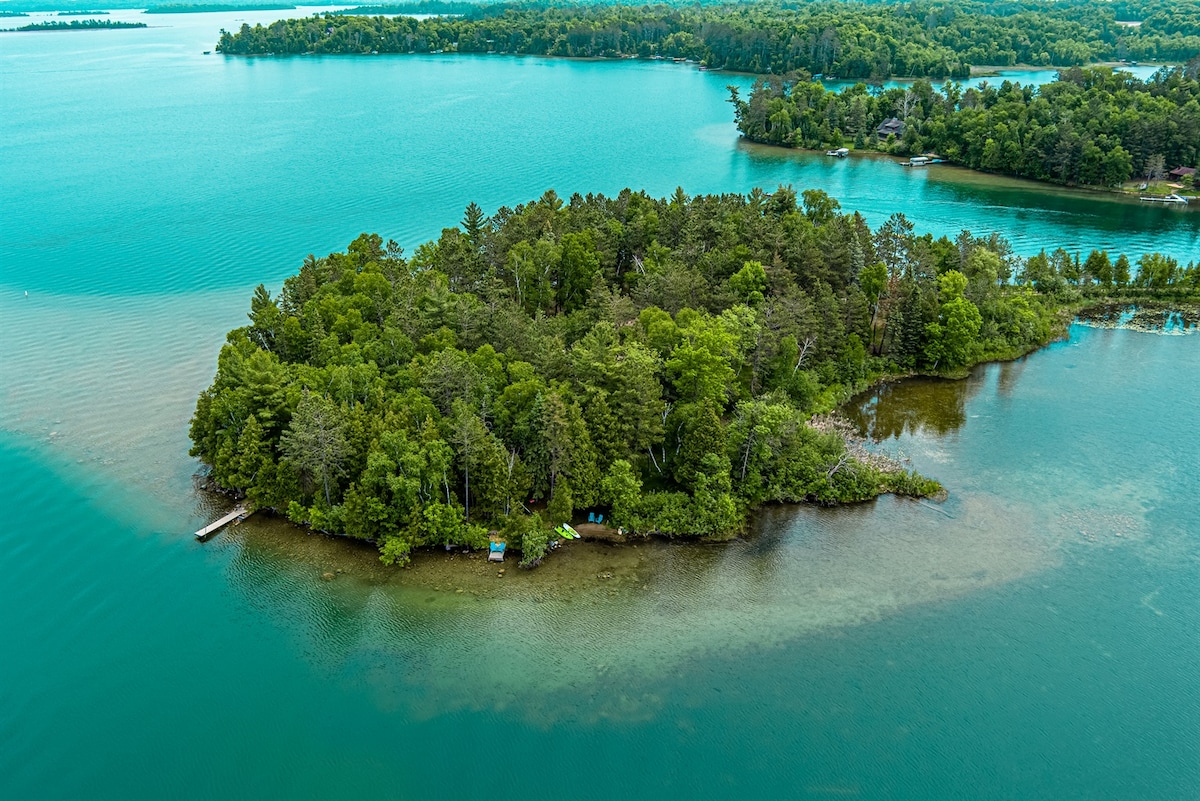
{"points": [[1179, 173], [890, 126]]}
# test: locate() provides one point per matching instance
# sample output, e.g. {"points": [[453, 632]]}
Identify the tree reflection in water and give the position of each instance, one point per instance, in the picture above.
{"points": [[912, 406]]}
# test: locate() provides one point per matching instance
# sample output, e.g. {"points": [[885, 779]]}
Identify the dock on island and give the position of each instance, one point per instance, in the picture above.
{"points": [[239, 513]]}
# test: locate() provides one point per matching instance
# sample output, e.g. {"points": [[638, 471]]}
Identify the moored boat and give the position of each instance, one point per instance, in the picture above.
{"points": [[1171, 198]]}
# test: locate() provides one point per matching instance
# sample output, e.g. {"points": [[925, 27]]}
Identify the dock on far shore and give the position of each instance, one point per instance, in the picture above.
{"points": [[239, 513]]}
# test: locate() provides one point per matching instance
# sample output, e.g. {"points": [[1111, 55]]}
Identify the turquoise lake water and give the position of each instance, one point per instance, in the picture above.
{"points": [[1035, 636]]}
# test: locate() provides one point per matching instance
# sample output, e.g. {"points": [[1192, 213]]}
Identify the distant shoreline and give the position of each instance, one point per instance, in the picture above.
{"points": [[215, 8], [992, 70], [1017, 182], [76, 25]]}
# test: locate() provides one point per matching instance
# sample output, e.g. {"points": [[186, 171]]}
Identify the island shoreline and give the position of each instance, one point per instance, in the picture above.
{"points": [[429, 562]]}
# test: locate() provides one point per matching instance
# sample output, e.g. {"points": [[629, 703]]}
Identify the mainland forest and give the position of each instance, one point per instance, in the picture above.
{"points": [[1091, 126], [204, 8], [829, 37], [670, 362]]}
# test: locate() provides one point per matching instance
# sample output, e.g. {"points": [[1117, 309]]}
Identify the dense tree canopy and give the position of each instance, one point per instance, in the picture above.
{"points": [[1091, 126], [831, 37], [656, 359], [79, 25]]}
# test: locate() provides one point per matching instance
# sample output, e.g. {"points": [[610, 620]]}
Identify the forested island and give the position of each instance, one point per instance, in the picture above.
{"points": [[207, 8], [433, 8], [829, 37], [665, 362], [79, 25], [1092, 126]]}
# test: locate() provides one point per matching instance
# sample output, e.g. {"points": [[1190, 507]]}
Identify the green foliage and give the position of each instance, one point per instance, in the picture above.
{"points": [[831, 37], [442, 523], [1091, 126], [533, 546], [315, 443], [749, 283], [395, 551], [701, 434], [913, 485], [369, 399], [530, 533], [562, 503], [203, 8], [622, 490], [79, 25]]}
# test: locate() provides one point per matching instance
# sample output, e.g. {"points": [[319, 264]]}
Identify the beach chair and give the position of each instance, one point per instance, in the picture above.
{"points": [[591, 517], [599, 518]]}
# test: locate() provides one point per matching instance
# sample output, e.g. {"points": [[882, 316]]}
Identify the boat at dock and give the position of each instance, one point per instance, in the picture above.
{"points": [[1171, 198], [921, 161]]}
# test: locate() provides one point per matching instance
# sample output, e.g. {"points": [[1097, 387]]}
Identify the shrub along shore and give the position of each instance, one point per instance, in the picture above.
{"points": [[659, 360]]}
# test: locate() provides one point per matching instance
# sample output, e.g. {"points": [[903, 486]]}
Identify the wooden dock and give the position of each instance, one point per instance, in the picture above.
{"points": [[238, 513]]}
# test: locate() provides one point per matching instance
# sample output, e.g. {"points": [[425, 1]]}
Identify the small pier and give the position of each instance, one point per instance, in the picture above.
{"points": [[238, 514]]}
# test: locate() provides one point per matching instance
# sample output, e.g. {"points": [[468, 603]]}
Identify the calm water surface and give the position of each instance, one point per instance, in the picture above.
{"points": [[1035, 636]]}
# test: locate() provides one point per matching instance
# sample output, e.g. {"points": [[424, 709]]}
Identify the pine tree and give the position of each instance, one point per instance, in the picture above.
{"points": [[474, 222]]}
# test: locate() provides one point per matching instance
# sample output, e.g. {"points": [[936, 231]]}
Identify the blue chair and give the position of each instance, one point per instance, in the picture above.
{"points": [[599, 518], [591, 517]]}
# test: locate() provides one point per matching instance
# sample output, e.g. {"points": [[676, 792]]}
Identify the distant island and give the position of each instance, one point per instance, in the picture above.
{"points": [[1091, 126], [206, 8], [80, 25], [871, 41], [666, 365], [422, 7], [81, 14]]}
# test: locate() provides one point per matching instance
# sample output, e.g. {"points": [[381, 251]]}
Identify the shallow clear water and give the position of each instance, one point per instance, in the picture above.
{"points": [[1035, 636]]}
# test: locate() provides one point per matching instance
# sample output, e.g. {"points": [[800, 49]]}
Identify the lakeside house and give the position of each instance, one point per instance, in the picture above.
{"points": [[1179, 173], [891, 126]]}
